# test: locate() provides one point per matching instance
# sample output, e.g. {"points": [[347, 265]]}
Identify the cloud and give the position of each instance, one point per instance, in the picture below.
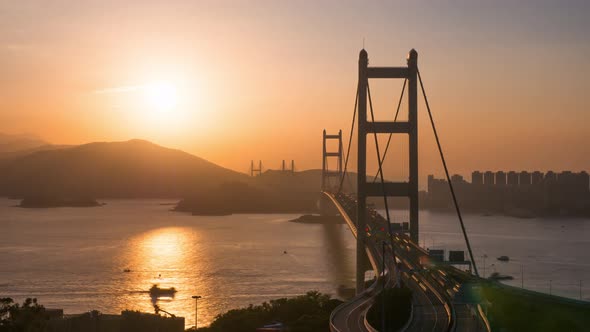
{"points": [[121, 89]]}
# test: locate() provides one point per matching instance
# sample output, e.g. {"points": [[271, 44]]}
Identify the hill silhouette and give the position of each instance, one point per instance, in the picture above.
{"points": [[273, 191], [20, 153], [12, 143], [130, 169]]}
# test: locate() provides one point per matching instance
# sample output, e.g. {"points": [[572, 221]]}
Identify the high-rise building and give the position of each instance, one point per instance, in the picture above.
{"points": [[500, 178], [584, 180], [477, 178], [512, 178], [566, 178], [550, 177], [537, 177], [524, 178], [457, 178], [488, 178]]}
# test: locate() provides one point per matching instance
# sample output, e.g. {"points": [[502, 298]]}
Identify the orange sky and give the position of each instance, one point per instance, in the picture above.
{"points": [[507, 82]]}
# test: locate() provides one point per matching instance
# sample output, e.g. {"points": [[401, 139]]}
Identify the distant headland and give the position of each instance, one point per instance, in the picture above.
{"points": [[51, 202]]}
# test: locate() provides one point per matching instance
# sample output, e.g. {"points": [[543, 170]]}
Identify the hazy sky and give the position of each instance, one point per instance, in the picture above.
{"points": [[508, 81]]}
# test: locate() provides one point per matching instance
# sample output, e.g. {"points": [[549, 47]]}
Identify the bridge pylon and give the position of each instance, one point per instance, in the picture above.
{"points": [[365, 127], [284, 168], [255, 171], [330, 177]]}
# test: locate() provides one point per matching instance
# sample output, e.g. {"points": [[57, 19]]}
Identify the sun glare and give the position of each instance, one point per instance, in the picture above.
{"points": [[161, 96]]}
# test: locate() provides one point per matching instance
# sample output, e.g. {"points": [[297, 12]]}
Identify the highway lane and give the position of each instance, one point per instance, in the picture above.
{"points": [[437, 304], [430, 313], [436, 307], [351, 315]]}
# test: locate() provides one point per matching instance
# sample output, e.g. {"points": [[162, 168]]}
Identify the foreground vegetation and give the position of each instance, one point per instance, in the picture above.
{"points": [[28, 317], [398, 305], [514, 310], [305, 313]]}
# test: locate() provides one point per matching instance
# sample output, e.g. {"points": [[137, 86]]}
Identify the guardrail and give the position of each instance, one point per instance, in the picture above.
{"points": [[443, 301], [448, 309], [484, 318], [405, 327], [369, 290], [353, 229], [333, 327], [368, 326], [402, 329]]}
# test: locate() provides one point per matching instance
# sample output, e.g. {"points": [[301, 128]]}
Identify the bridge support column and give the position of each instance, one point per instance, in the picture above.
{"points": [[413, 142], [361, 216], [407, 188]]}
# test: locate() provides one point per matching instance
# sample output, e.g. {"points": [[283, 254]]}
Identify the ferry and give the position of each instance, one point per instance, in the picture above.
{"points": [[156, 291]]}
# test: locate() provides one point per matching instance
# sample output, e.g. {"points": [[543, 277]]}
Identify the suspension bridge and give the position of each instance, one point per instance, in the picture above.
{"points": [[392, 251]]}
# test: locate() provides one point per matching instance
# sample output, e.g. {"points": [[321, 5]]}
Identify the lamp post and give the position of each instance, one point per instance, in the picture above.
{"points": [[196, 297], [383, 287]]}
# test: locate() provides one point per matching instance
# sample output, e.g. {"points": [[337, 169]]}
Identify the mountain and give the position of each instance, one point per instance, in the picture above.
{"points": [[273, 191], [131, 169], [13, 143], [19, 153]]}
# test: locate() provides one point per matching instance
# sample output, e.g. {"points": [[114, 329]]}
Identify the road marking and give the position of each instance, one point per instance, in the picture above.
{"points": [[422, 286]]}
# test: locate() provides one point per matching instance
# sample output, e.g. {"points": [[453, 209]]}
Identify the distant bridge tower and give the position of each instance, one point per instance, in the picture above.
{"points": [[331, 178], [400, 189], [255, 171], [284, 167]]}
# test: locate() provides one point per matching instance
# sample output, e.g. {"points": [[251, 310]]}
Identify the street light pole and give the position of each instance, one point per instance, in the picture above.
{"points": [[383, 287], [196, 297]]}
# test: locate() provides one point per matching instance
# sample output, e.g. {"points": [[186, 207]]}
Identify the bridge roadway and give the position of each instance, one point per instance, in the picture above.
{"points": [[434, 307]]}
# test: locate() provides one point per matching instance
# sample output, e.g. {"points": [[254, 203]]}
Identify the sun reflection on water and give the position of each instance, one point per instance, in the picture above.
{"points": [[164, 249], [167, 257]]}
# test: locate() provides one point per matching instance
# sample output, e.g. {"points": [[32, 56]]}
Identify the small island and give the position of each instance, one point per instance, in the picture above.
{"points": [[318, 219], [51, 202]]}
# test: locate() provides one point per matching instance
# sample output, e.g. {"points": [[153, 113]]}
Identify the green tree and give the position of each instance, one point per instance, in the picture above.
{"points": [[305, 313], [28, 317]]}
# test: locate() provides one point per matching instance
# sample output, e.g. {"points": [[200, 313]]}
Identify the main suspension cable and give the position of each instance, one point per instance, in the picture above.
{"points": [[401, 97], [349, 139], [442, 157]]}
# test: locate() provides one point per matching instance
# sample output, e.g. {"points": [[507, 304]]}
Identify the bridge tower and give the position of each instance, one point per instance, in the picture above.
{"points": [[400, 189], [255, 171], [331, 178], [284, 168]]}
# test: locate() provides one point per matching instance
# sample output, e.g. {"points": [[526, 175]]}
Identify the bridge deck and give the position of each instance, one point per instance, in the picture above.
{"points": [[434, 290]]}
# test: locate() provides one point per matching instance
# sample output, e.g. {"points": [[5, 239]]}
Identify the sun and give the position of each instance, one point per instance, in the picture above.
{"points": [[161, 96]]}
